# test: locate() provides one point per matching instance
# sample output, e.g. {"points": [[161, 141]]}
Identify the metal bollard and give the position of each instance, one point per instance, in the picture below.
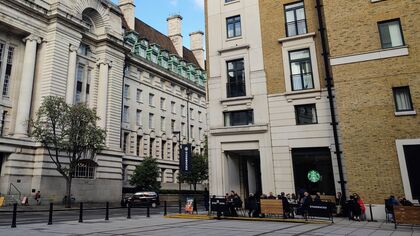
{"points": [[129, 211], [107, 211], [219, 214], [179, 206], [14, 215], [371, 213], [81, 213], [165, 210], [148, 211], [50, 214]]}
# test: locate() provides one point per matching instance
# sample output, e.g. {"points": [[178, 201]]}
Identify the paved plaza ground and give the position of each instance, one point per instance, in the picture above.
{"points": [[157, 225]]}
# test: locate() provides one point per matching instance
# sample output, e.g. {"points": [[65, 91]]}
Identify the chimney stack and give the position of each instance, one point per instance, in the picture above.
{"points": [[196, 46], [175, 33], [128, 9]]}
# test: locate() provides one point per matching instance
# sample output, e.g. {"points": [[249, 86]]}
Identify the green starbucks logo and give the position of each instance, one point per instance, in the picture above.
{"points": [[314, 176]]}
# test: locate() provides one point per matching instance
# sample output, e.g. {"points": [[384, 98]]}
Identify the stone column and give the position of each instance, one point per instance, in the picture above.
{"points": [[26, 86], [102, 102], [71, 76]]}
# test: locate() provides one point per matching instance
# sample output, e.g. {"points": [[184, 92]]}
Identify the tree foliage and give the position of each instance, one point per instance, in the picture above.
{"points": [[145, 175], [199, 171], [68, 133]]}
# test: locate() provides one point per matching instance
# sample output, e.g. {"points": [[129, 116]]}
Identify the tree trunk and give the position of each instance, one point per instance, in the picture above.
{"points": [[68, 193], [195, 187]]}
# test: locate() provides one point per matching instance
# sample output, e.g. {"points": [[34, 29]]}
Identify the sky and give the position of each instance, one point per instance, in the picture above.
{"points": [[155, 12]]}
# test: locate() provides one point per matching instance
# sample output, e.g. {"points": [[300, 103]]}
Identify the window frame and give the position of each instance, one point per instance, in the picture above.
{"points": [[296, 21], [301, 60], [305, 105], [395, 98], [236, 82], [248, 121], [401, 31], [235, 35]]}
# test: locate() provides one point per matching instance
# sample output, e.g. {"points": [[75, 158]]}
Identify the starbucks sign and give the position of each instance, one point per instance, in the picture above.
{"points": [[314, 176]]}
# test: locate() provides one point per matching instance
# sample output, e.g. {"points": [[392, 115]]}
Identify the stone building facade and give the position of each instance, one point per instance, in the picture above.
{"points": [[270, 118], [376, 68], [330, 89], [90, 51]]}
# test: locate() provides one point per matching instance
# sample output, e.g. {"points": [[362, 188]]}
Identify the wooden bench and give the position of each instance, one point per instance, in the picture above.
{"points": [[328, 198], [271, 207], [406, 215]]}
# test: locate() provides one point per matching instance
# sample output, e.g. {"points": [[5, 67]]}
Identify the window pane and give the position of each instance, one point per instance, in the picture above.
{"points": [[402, 99], [391, 35], [297, 82], [300, 14], [295, 67], [230, 30], [238, 29], [306, 67], [301, 27], [291, 29], [302, 54], [306, 114], [290, 16], [307, 81]]}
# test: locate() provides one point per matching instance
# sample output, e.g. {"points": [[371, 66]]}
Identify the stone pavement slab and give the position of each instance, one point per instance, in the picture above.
{"points": [[157, 225]]}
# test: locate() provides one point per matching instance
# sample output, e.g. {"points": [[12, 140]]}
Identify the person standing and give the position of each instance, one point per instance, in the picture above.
{"points": [[206, 198], [38, 197]]}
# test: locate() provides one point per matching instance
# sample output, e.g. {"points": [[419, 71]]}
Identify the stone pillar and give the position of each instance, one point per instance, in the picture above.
{"points": [[26, 86], [71, 75], [102, 103]]}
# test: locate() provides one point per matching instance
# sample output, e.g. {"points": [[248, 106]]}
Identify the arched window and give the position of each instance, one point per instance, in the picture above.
{"points": [[93, 20]]}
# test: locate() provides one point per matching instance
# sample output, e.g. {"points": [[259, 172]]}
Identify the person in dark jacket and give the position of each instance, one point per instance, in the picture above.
{"points": [[206, 198], [317, 198], [252, 205], [286, 205]]}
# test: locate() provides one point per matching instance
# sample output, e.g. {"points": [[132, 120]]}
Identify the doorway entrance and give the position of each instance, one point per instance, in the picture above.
{"points": [[244, 172], [313, 172], [412, 160]]}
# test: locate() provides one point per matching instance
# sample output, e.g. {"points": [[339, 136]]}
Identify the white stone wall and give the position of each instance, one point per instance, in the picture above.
{"points": [[221, 50], [286, 135]]}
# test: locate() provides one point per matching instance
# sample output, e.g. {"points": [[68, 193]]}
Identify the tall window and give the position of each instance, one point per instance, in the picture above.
{"points": [[236, 78], [138, 117], [233, 26], [138, 95], [151, 146], [191, 113], [182, 128], [139, 145], [236, 118], [151, 99], [295, 19], [391, 33], [192, 131], [301, 70], [125, 142], [182, 110], [6, 64], [173, 110], [162, 123], [126, 90], [151, 121], [402, 99], [125, 114], [172, 125], [163, 149], [162, 103], [200, 118], [306, 114]]}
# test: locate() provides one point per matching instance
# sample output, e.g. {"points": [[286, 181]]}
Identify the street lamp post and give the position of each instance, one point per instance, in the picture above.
{"points": [[179, 163]]}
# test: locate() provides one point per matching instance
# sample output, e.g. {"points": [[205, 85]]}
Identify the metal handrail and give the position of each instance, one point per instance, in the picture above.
{"points": [[10, 190]]}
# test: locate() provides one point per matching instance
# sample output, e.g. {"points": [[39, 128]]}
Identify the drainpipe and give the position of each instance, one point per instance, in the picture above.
{"points": [[328, 78]]}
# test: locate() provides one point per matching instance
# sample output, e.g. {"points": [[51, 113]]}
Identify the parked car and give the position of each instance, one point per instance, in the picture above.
{"points": [[143, 199]]}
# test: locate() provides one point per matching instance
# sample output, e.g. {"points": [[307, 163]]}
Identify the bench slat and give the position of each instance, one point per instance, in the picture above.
{"points": [[271, 206], [407, 215]]}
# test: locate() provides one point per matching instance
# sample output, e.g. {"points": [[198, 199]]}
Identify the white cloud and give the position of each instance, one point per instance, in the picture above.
{"points": [[199, 3]]}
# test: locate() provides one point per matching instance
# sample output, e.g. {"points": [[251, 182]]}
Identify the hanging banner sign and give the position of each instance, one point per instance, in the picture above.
{"points": [[185, 158]]}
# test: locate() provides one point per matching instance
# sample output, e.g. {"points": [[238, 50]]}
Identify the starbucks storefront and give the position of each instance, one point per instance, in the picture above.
{"points": [[313, 171]]}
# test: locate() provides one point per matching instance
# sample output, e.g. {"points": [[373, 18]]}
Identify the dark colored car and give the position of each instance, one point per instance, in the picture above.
{"points": [[144, 199]]}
